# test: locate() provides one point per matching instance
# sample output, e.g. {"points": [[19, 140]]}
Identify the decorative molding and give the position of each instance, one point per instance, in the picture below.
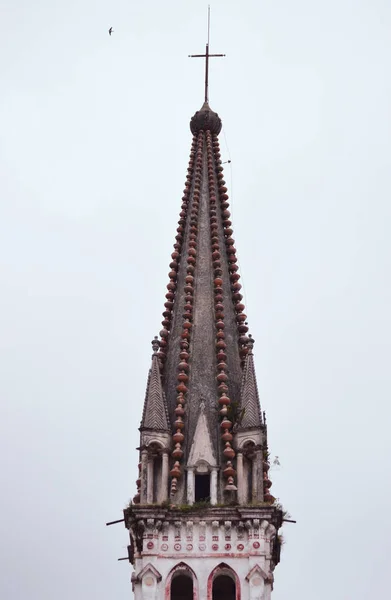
{"points": [[268, 577], [215, 531], [149, 567], [178, 527], [189, 531]]}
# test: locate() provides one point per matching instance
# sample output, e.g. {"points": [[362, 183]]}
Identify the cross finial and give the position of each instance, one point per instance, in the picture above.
{"points": [[207, 55]]}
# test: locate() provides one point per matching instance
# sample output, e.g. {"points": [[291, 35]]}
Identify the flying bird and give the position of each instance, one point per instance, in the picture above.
{"points": [[111, 30]]}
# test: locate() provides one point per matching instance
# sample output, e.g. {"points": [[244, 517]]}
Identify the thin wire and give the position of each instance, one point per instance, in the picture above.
{"points": [[232, 214], [208, 23]]}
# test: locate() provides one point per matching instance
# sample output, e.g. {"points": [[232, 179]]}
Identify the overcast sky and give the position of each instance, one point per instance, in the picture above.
{"points": [[94, 144]]}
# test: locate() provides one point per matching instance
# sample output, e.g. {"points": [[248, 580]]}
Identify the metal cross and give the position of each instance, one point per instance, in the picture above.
{"points": [[206, 56]]}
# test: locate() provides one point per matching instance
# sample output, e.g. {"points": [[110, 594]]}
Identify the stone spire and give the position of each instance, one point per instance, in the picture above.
{"points": [[203, 341], [250, 405], [155, 413], [204, 356]]}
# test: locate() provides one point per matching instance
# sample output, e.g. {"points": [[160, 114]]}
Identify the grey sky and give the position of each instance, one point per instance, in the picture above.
{"points": [[94, 143]]}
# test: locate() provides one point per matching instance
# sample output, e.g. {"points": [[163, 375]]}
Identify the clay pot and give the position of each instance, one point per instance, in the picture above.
{"points": [[178, 437], [228, 451], [229, 471]]}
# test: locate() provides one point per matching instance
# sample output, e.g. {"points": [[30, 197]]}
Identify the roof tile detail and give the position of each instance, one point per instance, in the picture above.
{"points": [[249, 396], [155, 413]]}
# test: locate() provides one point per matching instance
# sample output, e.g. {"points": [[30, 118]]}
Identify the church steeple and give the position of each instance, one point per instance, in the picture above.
{"points": [[203, 523], [203, 342]]}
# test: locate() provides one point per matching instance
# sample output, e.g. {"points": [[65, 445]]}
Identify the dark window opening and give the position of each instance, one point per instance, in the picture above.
{"points": [[224, 588], [182, 588], [249, 490], [202, 488], [157, 476], [249, 455]]}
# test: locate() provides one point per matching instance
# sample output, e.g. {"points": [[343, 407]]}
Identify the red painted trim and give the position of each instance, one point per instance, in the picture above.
{"points": [[185, 569], [223, 569]]}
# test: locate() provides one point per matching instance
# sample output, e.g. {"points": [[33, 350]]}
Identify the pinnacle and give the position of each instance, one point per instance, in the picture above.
{"points": [[155, 414], [249, 395]]}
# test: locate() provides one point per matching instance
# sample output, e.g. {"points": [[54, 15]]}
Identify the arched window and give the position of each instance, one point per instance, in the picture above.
{"points": [[154, 472], [181, 583], [224, 588], [248, 470], [223, 584], [182, 587]]}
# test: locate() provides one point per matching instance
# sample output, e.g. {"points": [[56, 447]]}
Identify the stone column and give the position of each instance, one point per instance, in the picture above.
{"points": [[164, 482], [190, 485], [259, 468], [254, 480], [239, 470], [213, 486], [144, 477], [150, 481], [137, 590]]}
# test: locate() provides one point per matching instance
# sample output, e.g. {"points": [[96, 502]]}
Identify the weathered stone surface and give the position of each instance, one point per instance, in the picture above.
{"points": [[201, 449], [155, 413], [238, 541], [205, 119], [249, 397]]}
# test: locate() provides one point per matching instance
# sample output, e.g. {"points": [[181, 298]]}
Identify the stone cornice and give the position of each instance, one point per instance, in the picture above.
{"points": [[220, 513]]}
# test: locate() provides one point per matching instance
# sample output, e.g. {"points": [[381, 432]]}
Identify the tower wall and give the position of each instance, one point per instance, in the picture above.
{"points": [[238, 543]]}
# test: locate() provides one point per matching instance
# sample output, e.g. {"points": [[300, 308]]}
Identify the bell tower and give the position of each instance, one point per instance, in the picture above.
{"points": [[203, 524]]}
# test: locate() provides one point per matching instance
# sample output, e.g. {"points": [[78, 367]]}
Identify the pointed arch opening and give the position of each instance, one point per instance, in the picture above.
{"points": [[154, 472], [181, 584], [223, 584], [182, 587], [248, 471], [223, 588]]}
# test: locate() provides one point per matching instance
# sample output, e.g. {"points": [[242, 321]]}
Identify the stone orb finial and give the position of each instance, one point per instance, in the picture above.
{"points": [[205, 119]]}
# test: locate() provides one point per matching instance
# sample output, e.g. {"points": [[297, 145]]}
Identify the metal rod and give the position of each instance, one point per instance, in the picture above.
{"points": [[202, 56], [206, 71], [114, 522], [208, 23], [126, 558], [289, 521]]}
